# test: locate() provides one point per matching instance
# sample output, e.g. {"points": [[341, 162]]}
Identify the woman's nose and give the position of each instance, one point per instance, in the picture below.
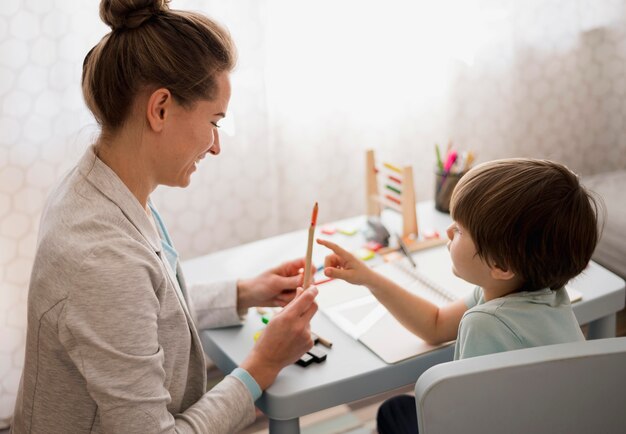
{"points": [[215, 149]]}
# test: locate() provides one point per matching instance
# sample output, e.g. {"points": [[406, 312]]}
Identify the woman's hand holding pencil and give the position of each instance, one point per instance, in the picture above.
{"points": [[288, 336], [277, 286], [273, 288]]}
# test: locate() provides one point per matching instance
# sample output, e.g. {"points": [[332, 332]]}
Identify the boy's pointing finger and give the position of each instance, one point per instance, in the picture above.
{"points": [[334, 247]]}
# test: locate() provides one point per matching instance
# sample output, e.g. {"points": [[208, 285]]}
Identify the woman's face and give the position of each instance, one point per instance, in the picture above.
{"points": [[191, 134]]}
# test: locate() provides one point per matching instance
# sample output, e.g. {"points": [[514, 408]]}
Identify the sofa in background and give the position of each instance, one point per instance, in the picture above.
{"points": [[611, 250]]}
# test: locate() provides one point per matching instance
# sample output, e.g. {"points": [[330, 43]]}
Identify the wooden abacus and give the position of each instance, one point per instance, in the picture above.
{"points": [[398, 194]]}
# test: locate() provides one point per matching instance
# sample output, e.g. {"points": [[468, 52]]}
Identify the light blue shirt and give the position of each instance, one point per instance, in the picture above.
{"points": [[171, 255], [248, 381], [516, 321]]}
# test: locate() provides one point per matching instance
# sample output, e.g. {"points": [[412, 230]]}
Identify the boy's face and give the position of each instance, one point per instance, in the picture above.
{"points": [[466, 264]]}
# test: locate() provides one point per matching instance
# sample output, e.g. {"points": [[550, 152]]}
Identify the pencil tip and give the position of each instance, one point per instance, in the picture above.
{"points": [[314, 216]]}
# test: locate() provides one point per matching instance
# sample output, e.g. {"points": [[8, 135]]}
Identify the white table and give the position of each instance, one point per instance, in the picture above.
{"points": [[351, 371]]}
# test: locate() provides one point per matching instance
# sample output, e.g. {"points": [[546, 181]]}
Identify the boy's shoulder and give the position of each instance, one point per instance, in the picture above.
{"points": [[522, 300], [518, 311], [482, 331]]}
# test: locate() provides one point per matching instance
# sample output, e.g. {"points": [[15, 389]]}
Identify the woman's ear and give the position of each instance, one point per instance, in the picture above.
{"points": [[158, 107], [498, 273]]}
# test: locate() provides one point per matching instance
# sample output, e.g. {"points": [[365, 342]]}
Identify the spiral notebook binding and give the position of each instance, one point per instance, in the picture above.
{"points": [[406, 267]]}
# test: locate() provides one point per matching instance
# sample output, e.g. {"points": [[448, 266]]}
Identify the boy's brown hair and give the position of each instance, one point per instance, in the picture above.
{"points": [[532, 217]]}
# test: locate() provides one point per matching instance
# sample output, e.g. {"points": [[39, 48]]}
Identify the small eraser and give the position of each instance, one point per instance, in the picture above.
{"points": [[329, 230], [315, 338], [305, 360], [431, 235], [348, 231], [393, 256], [318, 354], [373, 246], [365, 254]]}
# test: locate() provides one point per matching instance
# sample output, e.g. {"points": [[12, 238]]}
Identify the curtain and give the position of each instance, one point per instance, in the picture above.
{"points": [[317, 84]]}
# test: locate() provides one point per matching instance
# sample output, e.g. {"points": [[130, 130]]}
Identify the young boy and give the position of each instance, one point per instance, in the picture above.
{"points": [[522, 228]]}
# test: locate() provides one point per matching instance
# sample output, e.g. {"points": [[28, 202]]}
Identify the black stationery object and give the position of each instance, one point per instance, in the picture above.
{"points": [[376, 231]]}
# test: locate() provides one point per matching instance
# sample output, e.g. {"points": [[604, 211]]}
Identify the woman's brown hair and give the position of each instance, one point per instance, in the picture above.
{"points": [[151, 45], [532, 217]]}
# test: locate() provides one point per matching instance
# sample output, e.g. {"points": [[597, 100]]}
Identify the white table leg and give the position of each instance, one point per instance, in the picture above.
{"points": [[290, 426], [602, 328]]}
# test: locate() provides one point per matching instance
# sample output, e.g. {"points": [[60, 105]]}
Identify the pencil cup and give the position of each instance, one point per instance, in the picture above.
{"points": [[444, 186]]}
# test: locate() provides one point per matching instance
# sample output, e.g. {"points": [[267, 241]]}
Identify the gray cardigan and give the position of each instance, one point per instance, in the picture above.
{"points": [[111, 345]]}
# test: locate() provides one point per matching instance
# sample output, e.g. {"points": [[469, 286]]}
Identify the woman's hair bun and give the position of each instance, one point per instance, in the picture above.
{"points": [[130, 14]]}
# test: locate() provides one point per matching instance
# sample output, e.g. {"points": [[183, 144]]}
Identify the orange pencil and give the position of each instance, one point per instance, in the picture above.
{"points": [[309, 250]]}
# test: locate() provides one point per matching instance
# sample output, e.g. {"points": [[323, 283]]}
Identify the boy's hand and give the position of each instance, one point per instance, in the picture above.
{"points": [[342, 264], [284, 340]]}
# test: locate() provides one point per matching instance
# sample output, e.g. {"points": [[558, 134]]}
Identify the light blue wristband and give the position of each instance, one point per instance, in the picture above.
{"points": [[248, 381]]}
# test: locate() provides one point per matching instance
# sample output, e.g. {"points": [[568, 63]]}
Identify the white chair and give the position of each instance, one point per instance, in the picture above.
{"points": [[567, 388]]}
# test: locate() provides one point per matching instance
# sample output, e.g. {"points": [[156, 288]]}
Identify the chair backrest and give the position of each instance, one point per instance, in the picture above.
{"points": [[567, 388]]}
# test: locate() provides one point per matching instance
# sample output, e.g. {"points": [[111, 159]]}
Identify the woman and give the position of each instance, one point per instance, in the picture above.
{"points": [[112, 341]]}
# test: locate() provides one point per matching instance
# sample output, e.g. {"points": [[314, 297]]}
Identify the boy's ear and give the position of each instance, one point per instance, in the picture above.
{"points": [[500, 274], [157, 110]]}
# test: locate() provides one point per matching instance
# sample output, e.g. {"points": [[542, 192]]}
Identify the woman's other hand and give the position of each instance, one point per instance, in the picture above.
{"points": [[342, 264], [275, 287], [284, 340]]}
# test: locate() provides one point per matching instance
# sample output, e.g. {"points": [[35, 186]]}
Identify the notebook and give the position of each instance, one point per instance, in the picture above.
{"points": [[359, 314]]}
